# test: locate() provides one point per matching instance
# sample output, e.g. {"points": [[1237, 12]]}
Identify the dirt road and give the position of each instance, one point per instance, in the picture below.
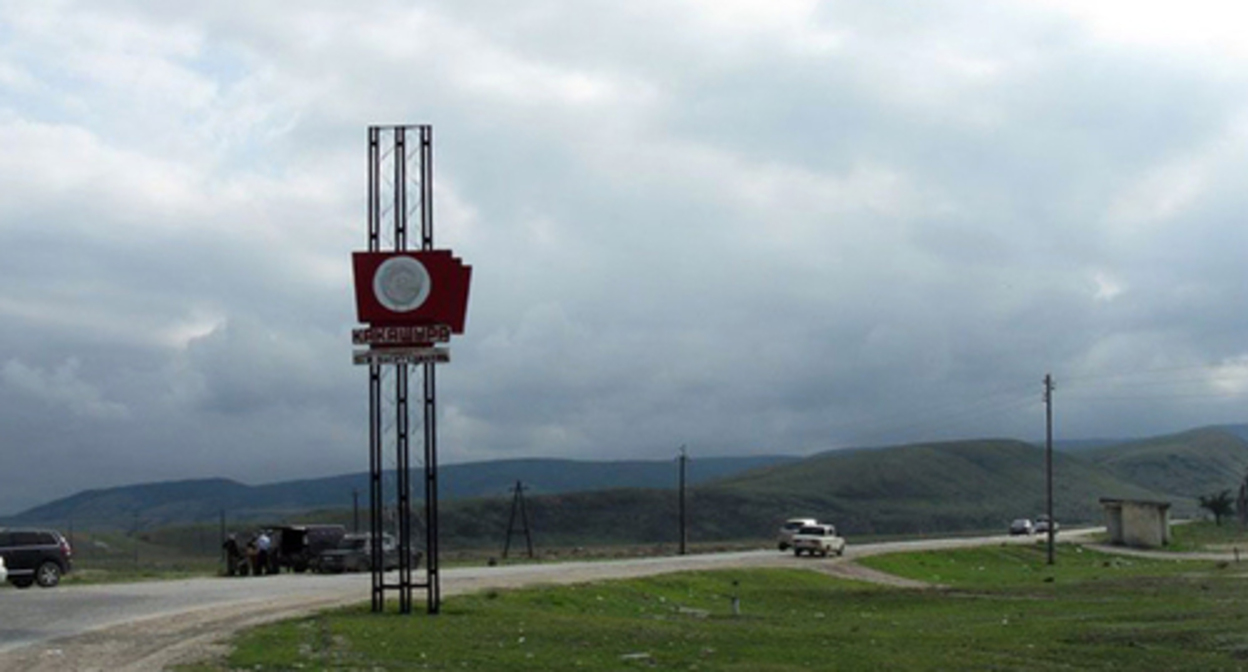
{"points": [[148, 626]]}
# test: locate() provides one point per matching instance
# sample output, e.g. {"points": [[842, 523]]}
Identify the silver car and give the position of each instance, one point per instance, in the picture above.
{"points": [[1042, 525], [790, 528], [1021, 526]]}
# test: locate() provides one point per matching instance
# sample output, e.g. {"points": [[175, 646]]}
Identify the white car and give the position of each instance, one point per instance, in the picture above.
{"points": [[820, 539], [4, 573], [790, 528], [1042, 525]]}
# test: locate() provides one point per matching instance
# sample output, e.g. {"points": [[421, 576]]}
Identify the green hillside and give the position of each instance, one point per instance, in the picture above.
{"points": [[924, 487], [1193, 463]]}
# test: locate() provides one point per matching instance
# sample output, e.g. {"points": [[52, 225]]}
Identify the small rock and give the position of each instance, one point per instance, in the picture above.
{"points": [[696, 613]]}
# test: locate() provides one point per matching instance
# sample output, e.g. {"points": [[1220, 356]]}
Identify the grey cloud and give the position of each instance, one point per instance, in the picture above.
{"points": [[61, 388], [784, 229]]}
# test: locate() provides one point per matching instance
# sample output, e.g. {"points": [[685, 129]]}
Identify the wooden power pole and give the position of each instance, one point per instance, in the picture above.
{"points": [[684, 521], [1048, 460]]}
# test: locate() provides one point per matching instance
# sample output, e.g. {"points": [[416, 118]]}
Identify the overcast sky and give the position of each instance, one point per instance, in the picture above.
{"points": [[780, 226]]}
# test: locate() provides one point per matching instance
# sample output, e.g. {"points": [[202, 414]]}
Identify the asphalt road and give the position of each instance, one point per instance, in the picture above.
{"points": [[141, 626]]}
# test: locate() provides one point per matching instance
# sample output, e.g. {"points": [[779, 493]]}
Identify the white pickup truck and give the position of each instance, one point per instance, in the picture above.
{"points": [[819, 539]]}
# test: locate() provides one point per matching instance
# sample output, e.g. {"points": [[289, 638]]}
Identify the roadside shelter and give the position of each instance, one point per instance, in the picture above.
{"points": [[1135, 522]]}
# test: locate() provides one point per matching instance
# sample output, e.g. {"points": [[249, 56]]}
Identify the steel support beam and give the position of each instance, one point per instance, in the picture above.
{"points": [[396, 155]]}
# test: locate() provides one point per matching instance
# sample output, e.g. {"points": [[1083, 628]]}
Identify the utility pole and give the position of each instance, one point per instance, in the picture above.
{"points": [[684, 522], [225, 561], [355, 510], [135, 536], [517, 505], [1048, 459]]}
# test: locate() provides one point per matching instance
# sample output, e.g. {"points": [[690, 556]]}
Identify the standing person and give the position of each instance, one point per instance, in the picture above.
{"points": [[252, 566], [233, 554], [263, 546]]}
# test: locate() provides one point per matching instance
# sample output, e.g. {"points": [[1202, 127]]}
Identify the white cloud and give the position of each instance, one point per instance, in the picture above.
{"points": [[1107, 286], [1159, 196], [1230, 376], [1196, 25], [46, 162], [199, 324], [786, 24], [62, 388]]}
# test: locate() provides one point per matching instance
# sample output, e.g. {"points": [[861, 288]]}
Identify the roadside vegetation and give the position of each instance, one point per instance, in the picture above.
{"points": [[114, 557], [1207, 537], [999, 608], [1221, 505]]}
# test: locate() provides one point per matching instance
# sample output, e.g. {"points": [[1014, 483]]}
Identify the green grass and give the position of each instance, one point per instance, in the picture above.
{"points": [[1005, 609], [1015, 567], [1205, 536]]}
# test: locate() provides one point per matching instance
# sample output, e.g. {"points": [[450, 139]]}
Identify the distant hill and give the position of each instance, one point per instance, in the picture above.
{"points": [[1193, 463], [926, 487], [179, 502], [125, 507], [1077, 445], [1238, 430], [923, 488], [920, 488]]}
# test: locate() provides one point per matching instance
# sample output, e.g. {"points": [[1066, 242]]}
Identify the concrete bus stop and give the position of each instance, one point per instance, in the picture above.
{"points": [[1139, 523]]}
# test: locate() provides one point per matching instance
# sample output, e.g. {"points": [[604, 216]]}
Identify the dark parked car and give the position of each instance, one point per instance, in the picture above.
{"points": [[35, 556], [1021, 526], [354, 554], [299, 547]]}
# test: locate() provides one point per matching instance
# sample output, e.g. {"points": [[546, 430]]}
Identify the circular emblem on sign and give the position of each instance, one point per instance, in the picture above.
{"points": [[401, 284]]}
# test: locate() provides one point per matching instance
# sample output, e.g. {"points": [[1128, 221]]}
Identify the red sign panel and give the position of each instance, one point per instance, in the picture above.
{"points": [[428, 287]]}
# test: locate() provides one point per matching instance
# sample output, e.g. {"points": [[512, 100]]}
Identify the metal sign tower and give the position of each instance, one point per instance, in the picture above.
{"points": [[411, 298]]}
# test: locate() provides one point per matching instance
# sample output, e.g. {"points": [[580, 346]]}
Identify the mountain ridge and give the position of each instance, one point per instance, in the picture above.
{"points": [[200, 500], [912, 488]]}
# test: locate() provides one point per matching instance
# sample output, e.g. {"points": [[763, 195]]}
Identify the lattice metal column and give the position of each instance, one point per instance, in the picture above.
{"points": [[400, 157]]}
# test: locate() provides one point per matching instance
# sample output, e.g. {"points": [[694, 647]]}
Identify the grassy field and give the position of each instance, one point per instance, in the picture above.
{"points": [[1204, 536], [1002, 608]]}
